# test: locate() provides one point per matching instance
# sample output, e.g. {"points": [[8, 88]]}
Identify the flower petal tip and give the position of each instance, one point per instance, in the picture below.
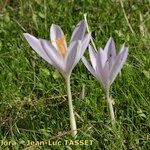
{"points": [[26, 35], [81, 22]]}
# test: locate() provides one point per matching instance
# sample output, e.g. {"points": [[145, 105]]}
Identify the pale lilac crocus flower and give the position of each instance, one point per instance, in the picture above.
{"points": [[62, 57], [105, 66]]}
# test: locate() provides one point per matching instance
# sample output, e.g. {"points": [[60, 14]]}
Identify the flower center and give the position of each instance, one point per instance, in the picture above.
{"points": [[61, 45]]}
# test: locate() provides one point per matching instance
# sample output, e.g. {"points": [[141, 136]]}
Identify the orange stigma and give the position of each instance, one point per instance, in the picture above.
{"points": [[61, 45]]}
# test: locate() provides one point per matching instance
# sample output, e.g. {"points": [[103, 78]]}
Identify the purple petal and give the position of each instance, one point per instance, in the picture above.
{"points": [[84, 44], [70, 58], [96, 74], [102, 56], [102, 71], [119, 62], [109, 54], [55, 57], [88, 66], [105, 74], [56, 34], [36, 45], [110, 48], [82, 47], [79, 31], [92, 56]]}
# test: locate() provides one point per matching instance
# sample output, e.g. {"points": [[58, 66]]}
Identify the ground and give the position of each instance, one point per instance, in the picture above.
{"points": [[33, 100]]}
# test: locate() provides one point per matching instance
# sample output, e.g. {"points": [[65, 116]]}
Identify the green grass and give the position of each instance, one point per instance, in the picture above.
{"points": [[33, 102]]}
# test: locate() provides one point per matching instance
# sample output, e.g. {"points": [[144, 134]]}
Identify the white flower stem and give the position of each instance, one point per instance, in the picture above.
{"points": [[110, 105], [87, 26], [72, 117]]}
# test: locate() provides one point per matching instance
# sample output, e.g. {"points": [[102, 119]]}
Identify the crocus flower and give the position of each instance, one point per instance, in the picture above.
{"points": [[62, 57], [105, 66], [56, 52]]}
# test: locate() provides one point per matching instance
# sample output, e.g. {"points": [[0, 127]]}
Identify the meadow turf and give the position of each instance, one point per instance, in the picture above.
{"points": [[33, 101]]}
